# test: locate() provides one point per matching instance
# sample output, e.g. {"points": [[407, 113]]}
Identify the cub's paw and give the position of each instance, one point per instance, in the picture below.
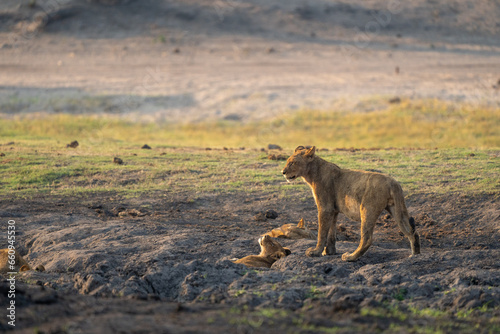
{"points": [[313, 252], [348, 257]]}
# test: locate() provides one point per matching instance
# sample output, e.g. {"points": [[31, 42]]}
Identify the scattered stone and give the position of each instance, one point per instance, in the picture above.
{"points": [[2, 154], [395, 100], [117, 161], [146, 147], [260, 217], [40, 267], [274, 147], [177, 50], [208, 149], [277, 157], [271, 50], [471, 155], [271, 214], [232, 117], [73, 144], [396, 70]]}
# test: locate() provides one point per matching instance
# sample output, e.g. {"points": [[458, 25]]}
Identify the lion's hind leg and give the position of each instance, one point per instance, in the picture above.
{"points": [[368, 220]]}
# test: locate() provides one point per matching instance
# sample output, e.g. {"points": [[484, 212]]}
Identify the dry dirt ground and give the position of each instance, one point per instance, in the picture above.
{"points": [[166, 266]]}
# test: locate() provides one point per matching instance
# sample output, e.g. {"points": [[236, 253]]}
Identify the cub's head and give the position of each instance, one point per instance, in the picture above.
{"points": [[272, 248], [296, 165]]}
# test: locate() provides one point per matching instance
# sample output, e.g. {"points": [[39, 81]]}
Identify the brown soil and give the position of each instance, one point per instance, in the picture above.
{"points": [[170, 259]]}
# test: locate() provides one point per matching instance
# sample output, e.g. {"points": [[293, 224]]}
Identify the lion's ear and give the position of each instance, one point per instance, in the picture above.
{"points": [[310, 152], [299, 148]]}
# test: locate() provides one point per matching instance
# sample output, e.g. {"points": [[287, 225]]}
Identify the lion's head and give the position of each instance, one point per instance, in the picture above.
{"points": [[272, 248], [296, 165]]}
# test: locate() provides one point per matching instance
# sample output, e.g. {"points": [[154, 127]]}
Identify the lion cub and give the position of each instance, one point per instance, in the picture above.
{"points": [[20, 263], [270, 252], [292, 231]]}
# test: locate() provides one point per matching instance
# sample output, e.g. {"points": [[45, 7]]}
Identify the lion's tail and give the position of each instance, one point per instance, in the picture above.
{"points": [[400, 214]]}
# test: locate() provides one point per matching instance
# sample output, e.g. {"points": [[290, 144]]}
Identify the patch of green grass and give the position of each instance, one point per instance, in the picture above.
{"points": [[427, 312], [239, 292], [314, 292], [35, 167], [400, 294]]}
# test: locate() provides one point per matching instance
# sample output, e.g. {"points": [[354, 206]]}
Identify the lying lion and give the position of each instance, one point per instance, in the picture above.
{"points": [[292, 231], [359, 195], [270, 252], [20, 264]]}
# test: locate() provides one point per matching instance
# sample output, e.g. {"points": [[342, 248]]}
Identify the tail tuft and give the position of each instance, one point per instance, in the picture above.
{"points": [[412, 224]]}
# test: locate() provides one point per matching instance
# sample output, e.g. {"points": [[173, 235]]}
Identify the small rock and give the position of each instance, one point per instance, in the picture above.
{"points": [[271, 50], [117, 161], [277, 157], [232, 117], [177, 50], [260, 217], [472, 155], [395, 100], [274, 147], [146, 147], [73, 144], [40, 267], [2, 154], [396, 70], [271, 214]]}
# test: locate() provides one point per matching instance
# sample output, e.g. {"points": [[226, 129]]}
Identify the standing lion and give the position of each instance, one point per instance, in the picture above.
{"points": [[359, 195]]}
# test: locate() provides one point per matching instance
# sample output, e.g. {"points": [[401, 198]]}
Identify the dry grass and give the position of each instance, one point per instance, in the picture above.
{"points": [[423, 124]]}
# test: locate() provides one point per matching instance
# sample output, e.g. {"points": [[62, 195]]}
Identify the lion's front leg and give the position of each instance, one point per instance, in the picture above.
{"points": [[330, 248], [325, 220]]}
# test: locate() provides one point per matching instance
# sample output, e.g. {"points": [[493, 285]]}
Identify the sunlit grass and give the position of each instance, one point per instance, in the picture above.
{"points": [[422, 124], [36, 167]]}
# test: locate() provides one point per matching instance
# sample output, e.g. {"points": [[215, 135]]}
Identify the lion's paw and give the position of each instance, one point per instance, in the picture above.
{"points": [[328, 251], [348, 257], [313, 252]]}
